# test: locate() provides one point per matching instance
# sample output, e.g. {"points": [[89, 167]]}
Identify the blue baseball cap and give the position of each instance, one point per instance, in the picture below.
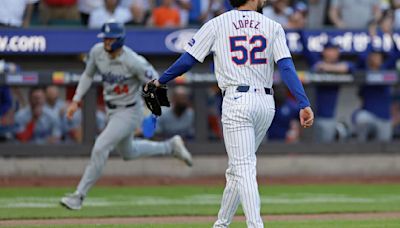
{"points": [[112, 30]]}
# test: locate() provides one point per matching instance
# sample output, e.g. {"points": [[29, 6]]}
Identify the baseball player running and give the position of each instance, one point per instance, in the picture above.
{"points": [[245, 45], [123, 73]]}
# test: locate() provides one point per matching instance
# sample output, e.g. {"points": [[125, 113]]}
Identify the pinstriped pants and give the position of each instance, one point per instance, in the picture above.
{"points": [[246, 118]]}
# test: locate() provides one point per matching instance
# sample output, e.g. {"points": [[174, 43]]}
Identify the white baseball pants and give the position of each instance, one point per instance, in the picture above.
{"points": [[118, 135], [246, 118]]}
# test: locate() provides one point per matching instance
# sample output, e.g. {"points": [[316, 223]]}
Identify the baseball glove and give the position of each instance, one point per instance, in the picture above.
{"points": [[155, 97]]}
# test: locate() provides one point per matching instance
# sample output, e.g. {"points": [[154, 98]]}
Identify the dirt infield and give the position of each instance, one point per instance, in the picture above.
{"points": [[196, 219], [155, 181]]}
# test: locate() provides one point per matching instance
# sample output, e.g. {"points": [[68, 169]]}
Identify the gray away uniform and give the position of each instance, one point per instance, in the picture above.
{"points": [[122, 79]]}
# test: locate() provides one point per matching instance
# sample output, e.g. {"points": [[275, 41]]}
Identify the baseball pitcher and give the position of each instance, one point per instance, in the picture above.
{"points": [[123, 74], [245, 44]]}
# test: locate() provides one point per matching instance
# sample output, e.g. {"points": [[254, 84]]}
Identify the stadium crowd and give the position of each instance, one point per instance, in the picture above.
{"points": [[39, 116], [378, 116], [295, 14]]}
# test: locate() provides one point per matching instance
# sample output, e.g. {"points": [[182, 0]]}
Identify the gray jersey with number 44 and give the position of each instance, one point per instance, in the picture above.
{"points": [[122, 77]]}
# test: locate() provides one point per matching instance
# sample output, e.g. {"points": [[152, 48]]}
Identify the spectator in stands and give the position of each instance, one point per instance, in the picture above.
{"points": [[110, 11], [37, 123], [279, 11], [298, 19], [217, 8], [373, 119], [285, 126], [200, 11], [179, 119], [51, 10], [354, 14], [72, 129], [166, 16], [86, 7], [140, 10], [384, 25], [211, 9], [184, 9], [16, 13], [54, 102], [326, 95], [316, 13]]}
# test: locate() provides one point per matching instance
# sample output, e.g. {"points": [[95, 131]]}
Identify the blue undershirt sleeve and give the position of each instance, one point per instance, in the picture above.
{"points": [[181, 66], [289, 77]]}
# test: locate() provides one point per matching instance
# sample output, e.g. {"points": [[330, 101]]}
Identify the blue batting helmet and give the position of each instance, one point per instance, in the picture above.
{"points": [[113, 30]]}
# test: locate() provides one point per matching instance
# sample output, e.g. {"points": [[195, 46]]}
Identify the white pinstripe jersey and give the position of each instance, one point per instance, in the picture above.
{"points": [[245, 45]]}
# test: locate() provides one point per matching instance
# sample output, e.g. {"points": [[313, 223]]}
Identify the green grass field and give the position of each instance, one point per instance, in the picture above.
{"points": [[282, 224], [42, 203]]}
